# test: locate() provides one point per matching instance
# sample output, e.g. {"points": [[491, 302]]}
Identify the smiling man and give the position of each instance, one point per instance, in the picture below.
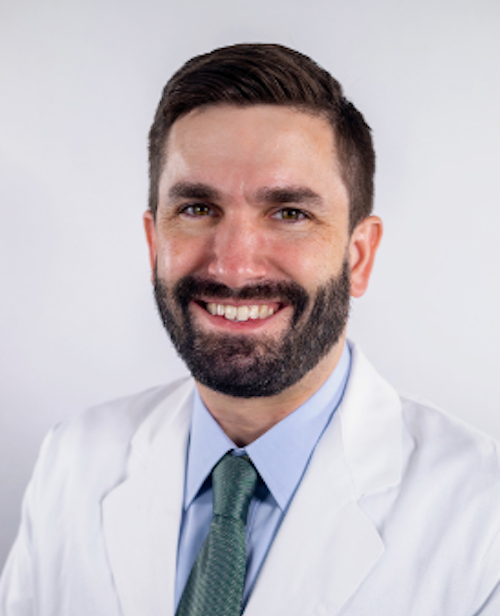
{"points": [[286, 476], [253, 257]]}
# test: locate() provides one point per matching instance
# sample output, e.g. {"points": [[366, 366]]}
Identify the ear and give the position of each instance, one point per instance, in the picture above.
{"points": [[150, 228], [363, 245]]}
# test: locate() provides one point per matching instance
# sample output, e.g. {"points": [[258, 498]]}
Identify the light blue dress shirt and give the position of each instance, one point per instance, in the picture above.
{"points": [[280, 455]]}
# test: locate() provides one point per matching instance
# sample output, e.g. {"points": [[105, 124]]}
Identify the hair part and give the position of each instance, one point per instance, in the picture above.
{"points": [[265, 74]]}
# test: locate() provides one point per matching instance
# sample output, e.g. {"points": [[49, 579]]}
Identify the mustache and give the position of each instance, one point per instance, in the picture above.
{"points": [[191, 288]]}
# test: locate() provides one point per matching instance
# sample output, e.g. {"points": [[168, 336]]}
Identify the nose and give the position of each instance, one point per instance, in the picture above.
{"points": [[238, 251]]}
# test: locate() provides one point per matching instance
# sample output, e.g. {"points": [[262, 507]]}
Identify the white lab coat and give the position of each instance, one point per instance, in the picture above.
{"points": [[398, 514]]}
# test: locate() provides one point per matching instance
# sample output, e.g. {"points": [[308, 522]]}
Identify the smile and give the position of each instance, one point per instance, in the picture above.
{"points": [[240, 313]]}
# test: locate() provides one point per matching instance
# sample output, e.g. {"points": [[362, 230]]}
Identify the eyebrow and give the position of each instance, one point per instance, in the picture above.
{"points": [[193, 190], [289, 194]]}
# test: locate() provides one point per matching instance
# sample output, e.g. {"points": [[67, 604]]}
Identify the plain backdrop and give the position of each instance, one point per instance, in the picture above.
{"points": [[79, 82]]}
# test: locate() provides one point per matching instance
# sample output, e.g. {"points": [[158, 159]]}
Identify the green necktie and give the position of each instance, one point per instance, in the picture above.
{"points": [[216, 582]]}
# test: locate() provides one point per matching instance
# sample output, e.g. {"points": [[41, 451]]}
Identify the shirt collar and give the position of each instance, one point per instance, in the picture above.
{"points": [[281, 454]]}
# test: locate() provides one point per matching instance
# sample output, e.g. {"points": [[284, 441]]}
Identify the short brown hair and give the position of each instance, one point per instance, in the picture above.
{"points": [[256, 74]]}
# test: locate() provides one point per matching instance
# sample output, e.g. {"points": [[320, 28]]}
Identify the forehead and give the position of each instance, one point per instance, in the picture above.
{"points": [[261, 144]]}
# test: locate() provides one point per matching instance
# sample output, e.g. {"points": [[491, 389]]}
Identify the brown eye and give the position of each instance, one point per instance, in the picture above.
{"points": [[290, 214], [198, 210]]}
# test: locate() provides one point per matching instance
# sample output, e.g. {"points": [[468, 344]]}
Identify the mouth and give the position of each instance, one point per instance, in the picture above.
{"points": [[241, 312]]}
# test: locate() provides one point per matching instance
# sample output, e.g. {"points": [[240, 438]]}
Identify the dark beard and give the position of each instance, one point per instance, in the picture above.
{"points": [[248, 366]]}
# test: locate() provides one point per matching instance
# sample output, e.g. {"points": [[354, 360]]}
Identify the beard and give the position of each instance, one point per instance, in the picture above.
{"points": [[252, 365]]}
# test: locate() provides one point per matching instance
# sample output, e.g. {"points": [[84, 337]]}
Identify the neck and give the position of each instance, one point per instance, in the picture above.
{"points": [[245, 419]]}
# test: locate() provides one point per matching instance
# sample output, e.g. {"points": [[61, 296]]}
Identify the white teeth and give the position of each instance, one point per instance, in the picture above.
{"points": [[230, 312], [253, 312], [240, 313]]}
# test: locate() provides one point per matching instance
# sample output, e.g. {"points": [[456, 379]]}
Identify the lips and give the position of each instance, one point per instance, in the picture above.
{"points": [[250, 305]]}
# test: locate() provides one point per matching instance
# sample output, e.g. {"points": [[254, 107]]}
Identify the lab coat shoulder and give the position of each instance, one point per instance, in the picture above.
{"points": [[91, 452], [462, 466], [448, 461], [441, 524], [81, 461]]}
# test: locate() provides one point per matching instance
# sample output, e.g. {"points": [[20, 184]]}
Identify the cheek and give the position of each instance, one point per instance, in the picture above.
{"points": [[178, 257], [311, 261]]}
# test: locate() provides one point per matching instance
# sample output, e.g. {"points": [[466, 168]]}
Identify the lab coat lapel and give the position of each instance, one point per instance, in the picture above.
{"points": [[326, 545], [141, 517]]}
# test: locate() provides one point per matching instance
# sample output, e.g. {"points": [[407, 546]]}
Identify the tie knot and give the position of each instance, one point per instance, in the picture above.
{"points": [[233, 480]]}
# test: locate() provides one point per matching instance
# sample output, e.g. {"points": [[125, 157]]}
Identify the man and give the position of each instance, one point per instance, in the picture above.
{"points": [[286, 477]]}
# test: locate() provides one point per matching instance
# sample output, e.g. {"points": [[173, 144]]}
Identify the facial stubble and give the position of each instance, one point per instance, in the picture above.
{"points": [[253, 365]]}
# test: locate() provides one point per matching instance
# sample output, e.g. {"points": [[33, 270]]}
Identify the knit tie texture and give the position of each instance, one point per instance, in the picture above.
{"points": [[216, 582]]}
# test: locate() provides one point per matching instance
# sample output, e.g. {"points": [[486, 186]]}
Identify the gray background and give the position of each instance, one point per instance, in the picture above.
{"points": [[79, 83]]}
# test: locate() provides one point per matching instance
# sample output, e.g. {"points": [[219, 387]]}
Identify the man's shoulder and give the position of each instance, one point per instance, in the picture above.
{"points": [[427, 423], [430, 485], [106, 432], [119, 419], [427, 444], [424, 426], [443, 445]]}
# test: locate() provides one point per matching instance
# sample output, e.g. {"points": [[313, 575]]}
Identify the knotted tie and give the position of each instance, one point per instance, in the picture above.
{"points": [[216, 582]]}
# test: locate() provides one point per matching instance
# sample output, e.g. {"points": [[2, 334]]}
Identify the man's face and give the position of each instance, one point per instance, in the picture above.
{"points": [[251, 247]]}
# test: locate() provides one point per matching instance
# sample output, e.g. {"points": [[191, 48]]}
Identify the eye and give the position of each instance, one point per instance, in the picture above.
{"points": [[197, 210], [290, 214]]}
